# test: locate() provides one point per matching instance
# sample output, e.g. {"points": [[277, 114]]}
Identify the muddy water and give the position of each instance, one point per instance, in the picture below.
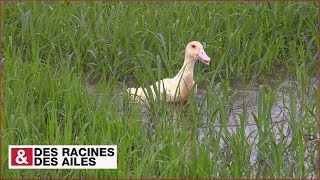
{"points": [[248, 97], [279, 113]]}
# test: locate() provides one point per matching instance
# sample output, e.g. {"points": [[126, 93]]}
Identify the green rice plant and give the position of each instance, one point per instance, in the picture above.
{"points": [[66, 67]]}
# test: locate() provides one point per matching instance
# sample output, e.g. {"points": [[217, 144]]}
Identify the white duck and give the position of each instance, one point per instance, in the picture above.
{"points": [[177, 89]]}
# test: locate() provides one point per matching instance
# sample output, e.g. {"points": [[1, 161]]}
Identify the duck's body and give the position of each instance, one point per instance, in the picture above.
{"points": [[176, 89]]}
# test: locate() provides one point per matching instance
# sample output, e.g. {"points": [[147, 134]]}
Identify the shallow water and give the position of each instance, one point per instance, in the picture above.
{"points": [[247, 97]]}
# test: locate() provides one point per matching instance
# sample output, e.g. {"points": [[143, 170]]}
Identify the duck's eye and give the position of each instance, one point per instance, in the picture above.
{"points": [[193, 46]]}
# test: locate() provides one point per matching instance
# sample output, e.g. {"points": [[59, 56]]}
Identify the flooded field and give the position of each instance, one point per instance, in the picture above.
{"points": [[286, 104], [254, 114], [245, 103], [248, 98]]}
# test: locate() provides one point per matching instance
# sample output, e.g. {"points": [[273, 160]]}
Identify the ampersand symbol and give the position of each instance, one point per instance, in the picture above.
{"points": [[20, 159]]}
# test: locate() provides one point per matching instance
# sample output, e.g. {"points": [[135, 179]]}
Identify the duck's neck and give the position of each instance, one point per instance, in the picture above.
{"points": [[187, 70]]}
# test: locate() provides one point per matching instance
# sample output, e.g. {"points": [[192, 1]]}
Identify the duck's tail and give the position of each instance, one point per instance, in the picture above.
{"points": [[137, 93]]}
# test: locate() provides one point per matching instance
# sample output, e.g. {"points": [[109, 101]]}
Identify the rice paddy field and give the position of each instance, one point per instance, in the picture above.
{"points": [[66, 67]]}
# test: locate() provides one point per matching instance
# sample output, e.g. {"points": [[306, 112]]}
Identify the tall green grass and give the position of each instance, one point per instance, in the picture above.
{"points": [[243, 39], [50, 50]]}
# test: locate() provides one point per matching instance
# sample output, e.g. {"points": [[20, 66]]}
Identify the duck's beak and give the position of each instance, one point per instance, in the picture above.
{"points": [[204, 57]]}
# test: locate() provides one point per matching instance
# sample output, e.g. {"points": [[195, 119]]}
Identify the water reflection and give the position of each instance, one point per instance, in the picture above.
{"points": [[244, 102]]}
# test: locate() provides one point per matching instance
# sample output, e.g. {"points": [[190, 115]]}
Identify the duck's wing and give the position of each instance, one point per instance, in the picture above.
{"points": [[168, 89]]}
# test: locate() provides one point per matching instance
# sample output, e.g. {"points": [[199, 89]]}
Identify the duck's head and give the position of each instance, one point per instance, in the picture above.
{"points": [[195, 52]]}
